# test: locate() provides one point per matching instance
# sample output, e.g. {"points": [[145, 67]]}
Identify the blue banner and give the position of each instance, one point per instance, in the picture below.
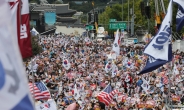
{"points": [[180, 18]]}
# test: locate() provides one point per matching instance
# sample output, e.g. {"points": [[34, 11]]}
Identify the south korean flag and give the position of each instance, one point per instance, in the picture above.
{"points": [[87, 40], [114, 70], [108, 67], [74, 39], [66, 64]]}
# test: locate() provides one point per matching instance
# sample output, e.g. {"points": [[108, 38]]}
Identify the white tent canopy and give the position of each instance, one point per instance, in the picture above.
{"points": [[34, 32]]}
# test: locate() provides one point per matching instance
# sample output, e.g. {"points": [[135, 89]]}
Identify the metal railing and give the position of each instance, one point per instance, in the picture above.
{"points": [[176, 36], [170, 107]]}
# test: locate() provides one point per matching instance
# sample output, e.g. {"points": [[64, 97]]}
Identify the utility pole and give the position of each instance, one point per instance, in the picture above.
{"points": [[148, 19], [122, 10], [132, 21], [87, 18], [128, 14]]}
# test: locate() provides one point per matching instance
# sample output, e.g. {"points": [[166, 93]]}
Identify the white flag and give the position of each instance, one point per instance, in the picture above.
{"points": [[49, 105], [114, 70], [87, 40], [175, 70], [145, 85], [115, 44], [159, 45], [34, 32], [14, 18], [14, 90], [66, 64], [76, 93], [108, 67]]}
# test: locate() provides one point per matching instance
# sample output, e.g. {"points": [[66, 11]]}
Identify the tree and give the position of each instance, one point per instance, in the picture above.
{"points": [[58, 2], [36, 48], [35, 1], [115, 12], [83, 19]]}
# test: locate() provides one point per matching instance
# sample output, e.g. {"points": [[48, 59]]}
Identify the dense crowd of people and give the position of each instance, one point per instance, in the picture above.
{"points": [[68, 62]]}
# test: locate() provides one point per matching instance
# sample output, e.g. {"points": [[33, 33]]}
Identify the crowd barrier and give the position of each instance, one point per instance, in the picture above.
{"points": [[178, 44]]}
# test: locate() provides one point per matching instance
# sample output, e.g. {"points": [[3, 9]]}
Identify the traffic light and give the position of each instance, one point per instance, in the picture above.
{"points": [[148, 12], [96, 17], [89, 18], [142, 8]]}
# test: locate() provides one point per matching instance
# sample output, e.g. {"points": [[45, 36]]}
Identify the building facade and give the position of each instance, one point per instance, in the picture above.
{"points": [[58, 13]]}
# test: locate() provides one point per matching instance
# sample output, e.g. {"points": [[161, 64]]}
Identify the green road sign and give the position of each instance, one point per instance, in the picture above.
{"points": [[117, 25], [89, 27], [112, 20]]}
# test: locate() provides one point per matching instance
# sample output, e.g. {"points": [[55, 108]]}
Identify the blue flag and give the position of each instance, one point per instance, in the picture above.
{"points": [[153, 63], [179, 18]]}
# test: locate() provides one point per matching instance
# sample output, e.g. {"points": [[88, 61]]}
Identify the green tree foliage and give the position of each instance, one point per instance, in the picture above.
{"points": [[51, 1], [58, 2], [34, 1], [83, 19], [36, 48], [115, 12], [85, 7]]}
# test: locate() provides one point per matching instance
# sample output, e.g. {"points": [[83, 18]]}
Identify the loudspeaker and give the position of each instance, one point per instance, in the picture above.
{"points": [[142, 8], [148, 12], [92, 18]]}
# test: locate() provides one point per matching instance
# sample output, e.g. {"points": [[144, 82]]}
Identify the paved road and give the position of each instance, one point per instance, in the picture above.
{"points": [[70, 30]]}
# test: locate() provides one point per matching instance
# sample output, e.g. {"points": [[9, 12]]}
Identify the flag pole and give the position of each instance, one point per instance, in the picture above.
{"points": [[170, 99], [33, 81]]}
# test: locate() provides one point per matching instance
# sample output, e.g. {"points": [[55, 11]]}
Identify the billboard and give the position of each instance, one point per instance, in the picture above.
{"points": [[50, 18]]}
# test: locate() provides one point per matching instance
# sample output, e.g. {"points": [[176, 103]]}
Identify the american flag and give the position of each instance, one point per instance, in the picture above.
{"points": [[165, 79], [106, 95], [40, 91]]}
